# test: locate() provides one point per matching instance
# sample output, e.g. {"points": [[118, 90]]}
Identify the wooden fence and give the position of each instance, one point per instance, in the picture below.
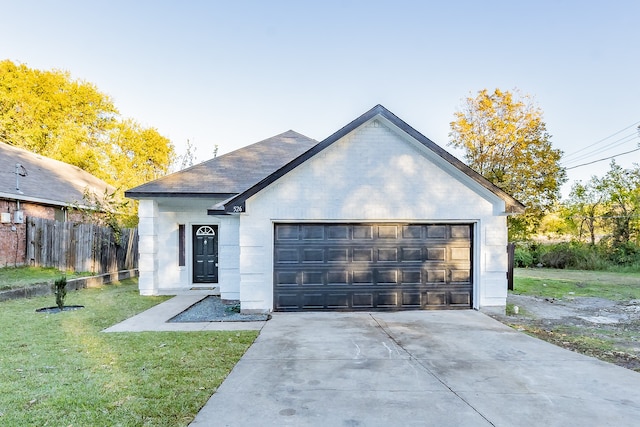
{"points": [[80, 247]]}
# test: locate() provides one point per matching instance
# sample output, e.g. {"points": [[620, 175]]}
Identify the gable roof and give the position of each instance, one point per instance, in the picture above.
{"points": [[237, 202], [45, 180], [230, 174]]}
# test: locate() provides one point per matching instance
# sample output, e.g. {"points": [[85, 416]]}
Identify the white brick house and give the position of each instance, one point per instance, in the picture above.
{"points": [[374, 217]]}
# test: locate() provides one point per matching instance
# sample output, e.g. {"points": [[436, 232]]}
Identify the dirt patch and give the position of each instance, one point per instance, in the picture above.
{"points": [[598, 327]]}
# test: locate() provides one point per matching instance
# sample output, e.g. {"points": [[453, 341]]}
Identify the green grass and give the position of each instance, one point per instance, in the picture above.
{"points": [[576, 283], [60, 370], [18, 277]]}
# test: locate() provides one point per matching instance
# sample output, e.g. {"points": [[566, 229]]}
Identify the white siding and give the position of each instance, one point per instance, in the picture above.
{"points": [[376, 173], [158, 228]]}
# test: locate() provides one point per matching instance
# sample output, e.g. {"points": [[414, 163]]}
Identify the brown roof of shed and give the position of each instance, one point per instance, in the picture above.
{"points": [[229, 174]]}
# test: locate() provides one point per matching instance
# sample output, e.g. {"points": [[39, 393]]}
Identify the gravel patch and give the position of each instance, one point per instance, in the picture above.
{"points": [[213, 309]]}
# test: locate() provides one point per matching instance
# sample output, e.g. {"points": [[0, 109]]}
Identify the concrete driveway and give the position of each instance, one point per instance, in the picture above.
{"points": [[426, 368]]}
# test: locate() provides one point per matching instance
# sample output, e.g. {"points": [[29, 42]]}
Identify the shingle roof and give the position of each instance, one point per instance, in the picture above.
{"points": [[229, 174], [236, 203], [47, 181]]}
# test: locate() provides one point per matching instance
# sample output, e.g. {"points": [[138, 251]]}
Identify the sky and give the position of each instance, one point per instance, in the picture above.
{"points": [[231, 73]]}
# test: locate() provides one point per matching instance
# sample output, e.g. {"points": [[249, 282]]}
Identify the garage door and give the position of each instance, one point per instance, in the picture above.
{"points": [[372, 266]]}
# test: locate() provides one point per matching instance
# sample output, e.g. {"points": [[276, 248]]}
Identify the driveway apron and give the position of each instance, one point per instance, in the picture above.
{"points": [[416, 368]]}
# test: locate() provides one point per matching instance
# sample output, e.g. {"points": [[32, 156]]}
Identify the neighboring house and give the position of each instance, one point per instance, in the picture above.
{"points": [[32, 185], [375, 217]]}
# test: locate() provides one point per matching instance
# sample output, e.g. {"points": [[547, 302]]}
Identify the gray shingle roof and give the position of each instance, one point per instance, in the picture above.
{"points": [[231, 173], [47, 181]]}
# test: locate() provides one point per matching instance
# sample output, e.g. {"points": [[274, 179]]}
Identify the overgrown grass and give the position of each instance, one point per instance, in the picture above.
{"points": [[18, 277], [59, 369], [613, 286], [592, 343]]}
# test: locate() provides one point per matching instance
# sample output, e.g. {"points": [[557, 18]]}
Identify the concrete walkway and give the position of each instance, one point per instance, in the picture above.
{"points": [[155, 319], [454, 368]]}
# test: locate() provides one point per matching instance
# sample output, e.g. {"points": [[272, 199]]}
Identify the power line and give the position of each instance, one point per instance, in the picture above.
{"points": [[601, 140], [606, 158], [612, 145]]}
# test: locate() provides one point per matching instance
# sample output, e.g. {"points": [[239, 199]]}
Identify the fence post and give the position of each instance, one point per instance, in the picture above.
{"points": [[511, 249]]}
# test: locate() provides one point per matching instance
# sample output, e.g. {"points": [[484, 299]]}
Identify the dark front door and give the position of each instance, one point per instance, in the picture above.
{"points": [[205, 254]]}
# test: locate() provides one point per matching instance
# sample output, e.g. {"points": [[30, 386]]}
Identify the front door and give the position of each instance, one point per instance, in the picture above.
{"points": [[205, 254]]}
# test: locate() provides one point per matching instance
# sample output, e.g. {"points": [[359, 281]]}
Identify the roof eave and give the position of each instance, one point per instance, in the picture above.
{"points": [[165, 194]]}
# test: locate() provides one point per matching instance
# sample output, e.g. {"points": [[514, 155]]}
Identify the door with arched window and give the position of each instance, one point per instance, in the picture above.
{"points": [[205, 254]]}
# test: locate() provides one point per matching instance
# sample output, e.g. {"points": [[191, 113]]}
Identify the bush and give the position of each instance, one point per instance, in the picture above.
{"points": [[577, 255], [559, 256], [60, 291], [522, 257], [624, 254]]}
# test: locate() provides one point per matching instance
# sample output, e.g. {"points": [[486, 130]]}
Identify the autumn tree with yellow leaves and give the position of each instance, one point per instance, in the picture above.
{"points": [[505, 140], [52, 114]]}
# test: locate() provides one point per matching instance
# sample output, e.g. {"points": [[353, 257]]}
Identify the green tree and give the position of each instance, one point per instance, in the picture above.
{"points": [[505, 140], [585, 207], [622, 187]]}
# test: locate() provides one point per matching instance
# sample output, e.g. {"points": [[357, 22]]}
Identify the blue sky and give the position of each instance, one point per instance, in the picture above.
{"points": [[235, 72]]}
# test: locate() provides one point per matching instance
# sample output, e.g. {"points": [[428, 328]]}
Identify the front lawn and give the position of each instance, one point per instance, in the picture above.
{"points": [[554, 283], [60, 370], [18, 277]]}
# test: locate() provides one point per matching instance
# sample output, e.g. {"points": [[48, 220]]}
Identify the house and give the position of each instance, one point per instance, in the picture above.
{"points": [[32, 185], [374, 217]]}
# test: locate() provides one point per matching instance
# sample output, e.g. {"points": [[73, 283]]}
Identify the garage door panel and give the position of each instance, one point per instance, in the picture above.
{"points": [[287, 232], [413, 277], [362, 232], [338, 255], [412, 231], [362, 277], [313, 255], [362, 255], [312, 232], [387, 231], [337, 300], [410, 254], [312, 278], [372, 266], [460, 299], [388, 254], [387, 277], [335, 277], [436, 299], [286, 278], [284, 256], [436, 231], [460, 276]]}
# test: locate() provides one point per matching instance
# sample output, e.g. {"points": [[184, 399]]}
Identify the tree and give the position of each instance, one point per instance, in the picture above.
{"points": [[585, 207], [622, 187], [137, 154], [506, 141], [49, 113]]}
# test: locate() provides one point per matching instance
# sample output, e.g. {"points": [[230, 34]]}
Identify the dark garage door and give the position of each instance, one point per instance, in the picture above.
{"points": [[372, 266]]}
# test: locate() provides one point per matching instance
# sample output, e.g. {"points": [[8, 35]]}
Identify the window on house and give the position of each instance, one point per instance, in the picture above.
{"points": [[59, 214], [181, 245]]}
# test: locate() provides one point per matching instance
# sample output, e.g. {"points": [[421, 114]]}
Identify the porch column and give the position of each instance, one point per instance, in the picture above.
{"points": [[148, 282]]}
